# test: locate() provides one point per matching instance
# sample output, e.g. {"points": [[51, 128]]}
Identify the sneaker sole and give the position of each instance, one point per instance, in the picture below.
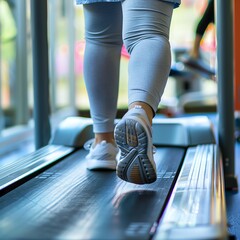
{"points": [[134, 165], [101, 165]]}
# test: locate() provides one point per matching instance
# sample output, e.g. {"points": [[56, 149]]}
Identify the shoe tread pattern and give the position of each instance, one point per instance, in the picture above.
{"points": [[134, 165]]}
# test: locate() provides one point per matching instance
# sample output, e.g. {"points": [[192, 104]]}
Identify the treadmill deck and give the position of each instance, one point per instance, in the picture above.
{"points": [[67, 201]]}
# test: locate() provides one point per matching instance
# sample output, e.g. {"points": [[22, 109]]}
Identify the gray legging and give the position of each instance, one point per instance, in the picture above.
{"points": [[144, 27]]}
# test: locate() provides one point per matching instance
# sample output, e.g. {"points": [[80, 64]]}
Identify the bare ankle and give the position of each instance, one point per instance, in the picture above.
{"points": [[108, 137], [147, 108]]}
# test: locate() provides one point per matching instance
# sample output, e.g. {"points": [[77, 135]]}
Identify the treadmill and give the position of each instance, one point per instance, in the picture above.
{"points": [[49, 194]]}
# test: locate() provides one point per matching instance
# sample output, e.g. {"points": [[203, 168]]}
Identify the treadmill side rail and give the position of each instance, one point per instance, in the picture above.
{"points": [[196, 209], [26, 166]]}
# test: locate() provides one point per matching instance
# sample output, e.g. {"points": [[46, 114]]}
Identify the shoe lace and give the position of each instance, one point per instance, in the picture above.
{"points": [[87, 145], [154, 149]]}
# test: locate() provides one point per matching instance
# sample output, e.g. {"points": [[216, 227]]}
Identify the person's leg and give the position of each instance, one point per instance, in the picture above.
{"points": [[103, 34], [146, 36], [207, 18]]}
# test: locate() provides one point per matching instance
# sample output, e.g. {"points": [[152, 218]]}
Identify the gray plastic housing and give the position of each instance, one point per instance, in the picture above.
{"points": [[182, 132], [73, 132]]}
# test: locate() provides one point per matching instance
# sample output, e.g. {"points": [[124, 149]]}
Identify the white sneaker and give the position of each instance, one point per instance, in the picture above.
{"points": [[133, 135], [102, 156]]}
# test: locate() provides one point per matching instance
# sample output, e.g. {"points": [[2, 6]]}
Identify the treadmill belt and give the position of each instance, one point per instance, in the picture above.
{"points": [[67, 201]]}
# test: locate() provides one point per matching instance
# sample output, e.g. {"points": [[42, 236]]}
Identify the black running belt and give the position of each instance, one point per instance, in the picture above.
{"points": [[67, 201]]}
